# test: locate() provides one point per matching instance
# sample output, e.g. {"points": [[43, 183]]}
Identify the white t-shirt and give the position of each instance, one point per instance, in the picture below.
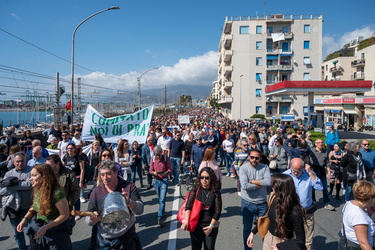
{"points": [[228, 145], [77, 142], [164, 142], [354, 215]]}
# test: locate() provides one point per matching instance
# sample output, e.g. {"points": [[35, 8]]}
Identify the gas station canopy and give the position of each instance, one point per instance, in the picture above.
{"points": [[318, 87]]}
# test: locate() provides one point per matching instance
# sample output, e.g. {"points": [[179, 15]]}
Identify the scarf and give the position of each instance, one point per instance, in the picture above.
{"points": [[361, 174], [151, 146]]}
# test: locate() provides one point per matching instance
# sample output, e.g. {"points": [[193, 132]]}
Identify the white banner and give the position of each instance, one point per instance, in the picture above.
{"points": [[183, 119], [133, 127]]}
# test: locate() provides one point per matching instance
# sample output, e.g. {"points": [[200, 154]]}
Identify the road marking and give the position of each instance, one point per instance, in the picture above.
{"points": [[173, 228]]}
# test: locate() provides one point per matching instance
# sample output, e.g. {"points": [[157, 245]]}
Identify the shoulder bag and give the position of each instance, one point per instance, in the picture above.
{"points": [[264, 221], [194, 213], [273, 163]]}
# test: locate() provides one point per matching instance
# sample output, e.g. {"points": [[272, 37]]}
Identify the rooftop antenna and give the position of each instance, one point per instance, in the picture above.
{"points": [[265, 4]]}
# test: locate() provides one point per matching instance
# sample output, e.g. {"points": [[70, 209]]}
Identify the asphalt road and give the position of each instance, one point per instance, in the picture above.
{"points": [[351, 135], [153, 237]]}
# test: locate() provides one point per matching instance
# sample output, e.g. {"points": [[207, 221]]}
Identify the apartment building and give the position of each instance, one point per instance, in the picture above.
{"points": [[355, 61], [255, 52]]}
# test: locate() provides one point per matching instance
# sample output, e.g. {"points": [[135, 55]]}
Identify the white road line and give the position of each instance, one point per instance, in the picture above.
{"points": [[173, 228]]}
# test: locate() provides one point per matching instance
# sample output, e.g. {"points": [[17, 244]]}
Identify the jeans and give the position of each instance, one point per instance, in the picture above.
{"points": [[348, 192], [137, 169], [248, 211], [229, 157], [19, 236], [161, 188], [326, 199], [176, 165], [77, 206]]}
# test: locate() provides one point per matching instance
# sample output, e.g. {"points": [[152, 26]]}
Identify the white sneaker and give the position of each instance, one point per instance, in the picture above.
{"points": [[83, 200], [239, 194], [228, 174]]}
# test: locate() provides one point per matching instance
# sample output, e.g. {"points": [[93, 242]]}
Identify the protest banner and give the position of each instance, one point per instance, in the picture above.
{"points": [[133, 127]]}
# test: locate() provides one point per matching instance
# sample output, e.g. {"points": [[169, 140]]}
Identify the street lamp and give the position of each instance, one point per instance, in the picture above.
{"points": [[241, 97], [139, 86], [74, 33]]}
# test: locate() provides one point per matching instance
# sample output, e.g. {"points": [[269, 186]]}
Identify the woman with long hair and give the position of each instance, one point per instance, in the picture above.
{"points": [[335, 175], [137, 162], [209, 160], [209, 194], [358, 228], [51, 227], [98, 137], [286, 216], [123, 158]]}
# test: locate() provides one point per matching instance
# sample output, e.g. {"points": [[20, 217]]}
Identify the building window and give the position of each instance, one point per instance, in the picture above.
{"points": [[284, 110], [306, 76], [305, 110], [326, 67], [259, 29], [306, 60], [269, 110], [258, 110], [259, 45], [285, 29], [258, 77], [306, 44], [258, 93], [362, 56], [306, 28], [259, 61], [244, 29], [269, 30]]}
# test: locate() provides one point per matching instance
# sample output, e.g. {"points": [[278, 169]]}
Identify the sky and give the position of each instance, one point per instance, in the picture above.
{"points": [[112, 49]]}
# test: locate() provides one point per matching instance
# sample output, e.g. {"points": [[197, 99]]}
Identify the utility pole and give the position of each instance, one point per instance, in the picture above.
{"points": [[79, 107]]}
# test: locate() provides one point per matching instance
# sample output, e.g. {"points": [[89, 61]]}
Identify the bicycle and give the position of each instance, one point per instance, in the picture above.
{"points": [[186, 181]]}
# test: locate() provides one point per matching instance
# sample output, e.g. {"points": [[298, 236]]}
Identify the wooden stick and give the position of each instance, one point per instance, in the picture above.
{"points": [[81, 213]]}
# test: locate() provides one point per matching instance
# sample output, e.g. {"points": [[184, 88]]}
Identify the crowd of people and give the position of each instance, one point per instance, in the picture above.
{"points": [[275, 168]]}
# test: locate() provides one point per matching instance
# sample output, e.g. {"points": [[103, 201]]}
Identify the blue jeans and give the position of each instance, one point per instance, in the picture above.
{"points": [[326, 199], [349, 192], [137, 169], [229, 157], [19, 236], [248, 211], [176, 164], [161, 188]]}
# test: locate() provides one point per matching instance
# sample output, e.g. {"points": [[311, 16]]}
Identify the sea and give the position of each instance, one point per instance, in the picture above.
{"points": [[25, 117]]}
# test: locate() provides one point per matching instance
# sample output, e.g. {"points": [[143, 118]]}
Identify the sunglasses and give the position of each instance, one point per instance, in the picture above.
{"points": [[365, 144], [70, 148], [204, 177], [246, 145], [255, 157], [106, 155]]}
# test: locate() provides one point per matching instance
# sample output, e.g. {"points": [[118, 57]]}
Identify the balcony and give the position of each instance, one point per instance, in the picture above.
{"points": [[225, 99], [228, 38], [358, 76], [335, 69], [279, 51], [335, 78], [358, 63], [287, 35], [228, 84], [284, 98], [228, 70], [279, 67], [228, 55], [228, 27]]}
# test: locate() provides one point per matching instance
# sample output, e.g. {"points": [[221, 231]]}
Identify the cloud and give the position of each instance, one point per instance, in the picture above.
{"points": [[15, 16], [197, 70], [332, 43]]}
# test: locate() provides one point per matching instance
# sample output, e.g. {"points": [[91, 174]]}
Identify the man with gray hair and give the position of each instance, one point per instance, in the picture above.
{"points": [[37, 157], [111, 182], [305, 181], [21, 190], [35, 143]]}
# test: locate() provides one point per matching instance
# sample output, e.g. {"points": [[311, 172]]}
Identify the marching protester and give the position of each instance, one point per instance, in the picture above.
{"points": [[160, 168], [125, 239], [207, 192], [147, 153]]}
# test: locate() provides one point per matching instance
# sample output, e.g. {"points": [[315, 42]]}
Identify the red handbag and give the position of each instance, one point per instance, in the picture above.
{"points": [[194, 213]]}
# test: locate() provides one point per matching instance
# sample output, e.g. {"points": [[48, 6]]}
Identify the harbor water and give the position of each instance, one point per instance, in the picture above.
{"points": [[25, 117]]}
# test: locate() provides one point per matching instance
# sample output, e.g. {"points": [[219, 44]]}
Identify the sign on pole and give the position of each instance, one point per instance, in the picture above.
{"points": [[133, 127]]}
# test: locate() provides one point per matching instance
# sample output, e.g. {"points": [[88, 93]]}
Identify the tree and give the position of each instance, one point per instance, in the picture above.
{"points": [[261, 116], [214, 103]]}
